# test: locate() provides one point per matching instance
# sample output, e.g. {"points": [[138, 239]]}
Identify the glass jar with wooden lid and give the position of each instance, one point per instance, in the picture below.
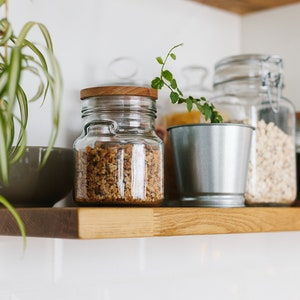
{"points": [[118, 157]]}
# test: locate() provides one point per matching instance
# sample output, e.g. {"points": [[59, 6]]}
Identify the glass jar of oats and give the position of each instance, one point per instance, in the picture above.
{"points": [[248, 90], [118, 157]]}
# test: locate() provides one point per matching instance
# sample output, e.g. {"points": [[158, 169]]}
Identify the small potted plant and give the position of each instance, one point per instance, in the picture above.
{"points": [[211, 158], [19, 57]]}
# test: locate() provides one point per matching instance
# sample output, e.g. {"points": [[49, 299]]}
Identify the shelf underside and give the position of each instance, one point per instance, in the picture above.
{"points": [[96, 223], [249, 6]]}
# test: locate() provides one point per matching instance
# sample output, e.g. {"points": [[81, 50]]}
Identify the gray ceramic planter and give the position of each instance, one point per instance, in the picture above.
{"points": [[32, 186]]}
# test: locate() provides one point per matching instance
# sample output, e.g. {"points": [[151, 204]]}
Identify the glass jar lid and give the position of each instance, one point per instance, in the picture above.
{"points": [[265, 68]]}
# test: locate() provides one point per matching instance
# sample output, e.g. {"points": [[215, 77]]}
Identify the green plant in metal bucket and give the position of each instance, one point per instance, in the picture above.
{"points": [[167, 79], [19, 57]]}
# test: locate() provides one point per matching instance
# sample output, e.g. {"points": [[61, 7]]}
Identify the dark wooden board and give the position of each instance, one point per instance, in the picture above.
{"points": [[246, 6], [42, 222]]}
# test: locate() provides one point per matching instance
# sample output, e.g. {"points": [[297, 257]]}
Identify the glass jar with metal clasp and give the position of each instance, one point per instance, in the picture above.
{"points": [[248, 89]]}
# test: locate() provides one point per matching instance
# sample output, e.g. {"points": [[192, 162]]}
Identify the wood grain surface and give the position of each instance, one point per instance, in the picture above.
{"points": [[246, 6], [97, 223], [42, 222], [146, 222]]}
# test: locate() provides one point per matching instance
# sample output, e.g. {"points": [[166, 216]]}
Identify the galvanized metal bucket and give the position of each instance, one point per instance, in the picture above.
{"points": [[211, 163]]}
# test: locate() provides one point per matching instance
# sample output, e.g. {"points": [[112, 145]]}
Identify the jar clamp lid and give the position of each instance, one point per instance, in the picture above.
{"points": [[264, 69], [239, 67]]}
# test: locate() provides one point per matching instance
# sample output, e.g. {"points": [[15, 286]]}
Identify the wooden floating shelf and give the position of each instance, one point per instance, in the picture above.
{"points": [[245, 7], [99, 223]]}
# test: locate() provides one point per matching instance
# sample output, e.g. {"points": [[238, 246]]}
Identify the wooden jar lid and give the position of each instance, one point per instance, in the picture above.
{"points": [[118, 91]]}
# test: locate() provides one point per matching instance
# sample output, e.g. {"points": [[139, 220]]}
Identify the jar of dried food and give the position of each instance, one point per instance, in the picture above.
{"points": [[248, 90], [118, 157], [298, 155]]}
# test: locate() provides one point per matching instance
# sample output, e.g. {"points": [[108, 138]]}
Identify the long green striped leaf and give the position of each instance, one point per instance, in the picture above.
{"points": [[56, 92], [6, 29], [20, 146], [47, 36], [3, 83], [41, 86], [14, 74], [16, 216], [3, 149], [38, 54]]}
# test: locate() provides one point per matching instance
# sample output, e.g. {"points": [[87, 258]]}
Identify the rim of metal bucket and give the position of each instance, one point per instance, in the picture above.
{"points": [[212, 124]]}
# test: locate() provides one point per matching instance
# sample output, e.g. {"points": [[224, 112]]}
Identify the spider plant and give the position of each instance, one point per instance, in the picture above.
{"points": [[20, 58]]}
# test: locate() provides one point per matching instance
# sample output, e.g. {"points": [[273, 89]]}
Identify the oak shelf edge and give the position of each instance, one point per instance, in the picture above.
{"points": [[105, 223]]}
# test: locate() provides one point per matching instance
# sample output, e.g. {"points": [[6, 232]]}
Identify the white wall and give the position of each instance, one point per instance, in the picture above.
{"points": [[87, 36], [276, 31]]}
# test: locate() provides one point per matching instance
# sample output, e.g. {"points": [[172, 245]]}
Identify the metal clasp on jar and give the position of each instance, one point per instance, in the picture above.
{"points": [[272, 80]]}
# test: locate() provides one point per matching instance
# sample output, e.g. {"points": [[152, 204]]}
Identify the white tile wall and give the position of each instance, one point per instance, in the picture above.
{"points": [[241, 266]]}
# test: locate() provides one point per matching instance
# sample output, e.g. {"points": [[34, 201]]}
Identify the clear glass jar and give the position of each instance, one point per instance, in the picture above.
{"points": [[118, 157], [248, 90], [298, 155]]}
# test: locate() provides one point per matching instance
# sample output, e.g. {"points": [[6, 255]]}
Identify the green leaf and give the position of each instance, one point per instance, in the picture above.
{"points": [[20, 145], [7, 125], [14, 73], [206, 110], [38, 54], [55, 84], [174, 97], [173, 56], [16, 216], [157, 83], [173, 84], [159, 60], [20, 40], [189, 104], [3, 149], [6, 30], [3, 83], [46, 35], [216, 117], [167, 75]]}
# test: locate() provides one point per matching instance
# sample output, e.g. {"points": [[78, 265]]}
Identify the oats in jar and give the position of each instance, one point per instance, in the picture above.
{"points": [[272, 170], [119, 174]]}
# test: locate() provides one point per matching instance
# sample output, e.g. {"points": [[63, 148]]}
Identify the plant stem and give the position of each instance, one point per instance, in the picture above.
{"points": [[166, 58], [167, 79]]}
